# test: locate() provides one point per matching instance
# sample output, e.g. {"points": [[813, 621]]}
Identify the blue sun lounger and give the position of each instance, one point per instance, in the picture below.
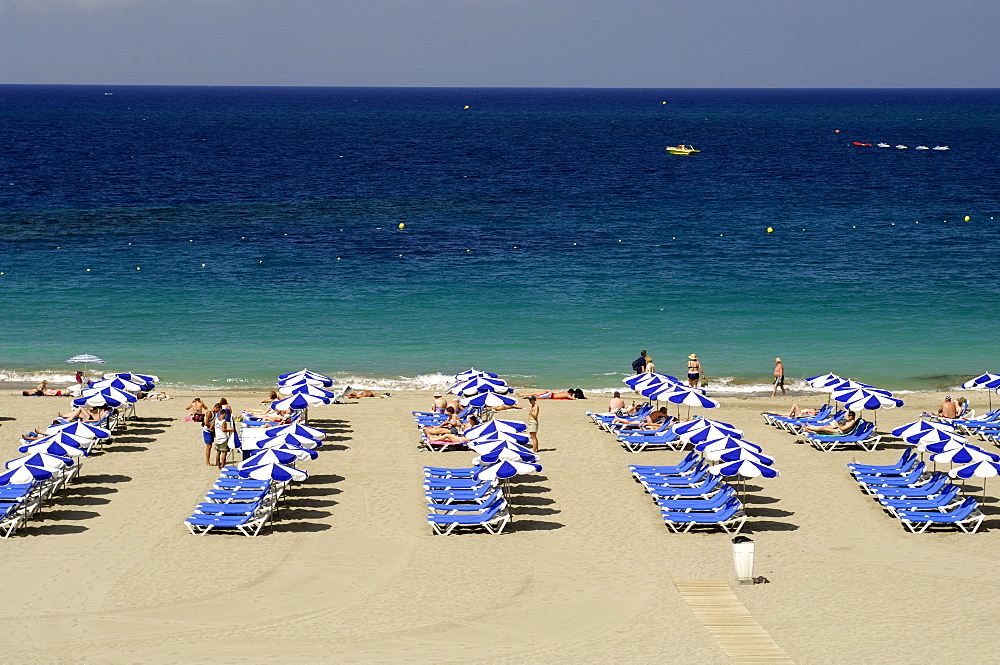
{"points": [[967, 517], [730, 518], [493, 518], [905, 463], [690, 461], [712, 503], [943, 502], [912, 478], [636, 443], [445, 472], [710, 486], [248, 525], [936, 484]]}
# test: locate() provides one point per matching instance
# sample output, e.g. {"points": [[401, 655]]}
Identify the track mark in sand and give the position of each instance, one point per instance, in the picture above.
{"points": [[735, 630]]}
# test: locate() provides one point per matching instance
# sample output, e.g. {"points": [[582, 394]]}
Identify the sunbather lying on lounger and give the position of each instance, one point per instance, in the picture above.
{"points": [[84, 414], [949, 409], [652, 421], [452, 436], [551, 394], [794, 412], [451, 425], [846, 424]]}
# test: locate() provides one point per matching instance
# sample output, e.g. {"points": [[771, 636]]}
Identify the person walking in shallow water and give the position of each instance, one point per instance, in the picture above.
{"points": [[779, 377], [533, 422]]}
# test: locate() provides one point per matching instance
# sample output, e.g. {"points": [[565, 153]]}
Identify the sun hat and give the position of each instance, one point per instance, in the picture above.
{"points": [[693, 356], [437, 394]]}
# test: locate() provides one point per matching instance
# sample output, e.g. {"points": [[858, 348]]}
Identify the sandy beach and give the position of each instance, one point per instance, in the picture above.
{"points": [[352, 573]]}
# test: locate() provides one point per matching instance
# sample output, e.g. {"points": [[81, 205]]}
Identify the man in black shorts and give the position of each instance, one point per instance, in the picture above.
{"points": [[779, 377]]}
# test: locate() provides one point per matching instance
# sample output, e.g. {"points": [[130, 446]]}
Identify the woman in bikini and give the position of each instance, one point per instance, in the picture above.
{"points": [[694, 370]]}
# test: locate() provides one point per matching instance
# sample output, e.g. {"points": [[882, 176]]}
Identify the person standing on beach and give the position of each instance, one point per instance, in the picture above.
{"points": [[779, 377], [533, 421], [208, 431], [223, 435], [650, 367], [694, 370], [639, 364]]}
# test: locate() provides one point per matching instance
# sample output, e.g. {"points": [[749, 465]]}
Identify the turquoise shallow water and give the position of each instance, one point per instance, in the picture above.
{"points": [[291, 198]]}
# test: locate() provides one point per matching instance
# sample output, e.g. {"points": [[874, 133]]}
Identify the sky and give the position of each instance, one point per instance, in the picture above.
{"points": [[503, 43]]}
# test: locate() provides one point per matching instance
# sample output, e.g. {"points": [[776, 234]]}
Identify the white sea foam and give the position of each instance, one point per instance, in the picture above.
{"points": [[34, 376]]}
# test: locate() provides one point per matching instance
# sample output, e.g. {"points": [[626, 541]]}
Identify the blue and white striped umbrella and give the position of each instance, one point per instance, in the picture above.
{"points": [[79, 429], [117, 383], [505, 469], [739, 454], [297, 403], [921, 426], [984, 469], [87, 359], [488, 399], [933, 437], [63, 438], [277, 472], [111, 393], [472, 373], [725, 443], [960, 454], [53, 448], [498, 425], [863, 399], [299, 452], [268, 456], [301, 381], [43, 460], [298, 430], [743, 469], [704, 429], [685, 396], [824, 380], [983, 381], [987, 381], [481, 385], [289, 438], [508, 451], [306, 389], [648, 378], [305, 374], [25, 474], [97, 399], [145, 379]]}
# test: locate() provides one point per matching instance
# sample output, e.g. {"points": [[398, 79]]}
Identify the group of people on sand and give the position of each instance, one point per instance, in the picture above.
{"points": [[218, 427], [454, 427], [644, 365]]}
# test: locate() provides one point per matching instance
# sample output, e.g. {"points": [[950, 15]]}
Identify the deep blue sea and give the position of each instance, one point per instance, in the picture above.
{"points": [[218, 236]]}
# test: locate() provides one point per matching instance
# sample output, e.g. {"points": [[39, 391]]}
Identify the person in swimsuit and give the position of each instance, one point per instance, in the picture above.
{"points": [[208, 432], [273, 397], [455, 435], [440, 404], [197, 409], [223, 435], [551, 394], [694, 370], [845, 426], [779, 378], [452, 425], [533, 422]]}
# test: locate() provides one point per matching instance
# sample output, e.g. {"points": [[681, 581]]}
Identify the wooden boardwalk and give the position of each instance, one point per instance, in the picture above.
{"points": [[733, 627]]}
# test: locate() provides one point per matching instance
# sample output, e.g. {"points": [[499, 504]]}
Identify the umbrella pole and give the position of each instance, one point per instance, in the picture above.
{"points": [[506, 490]]}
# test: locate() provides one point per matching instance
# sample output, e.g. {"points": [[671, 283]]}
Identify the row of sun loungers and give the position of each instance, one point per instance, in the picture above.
{"points": [[689, 496], [243, 505], [986, 428], [456, 500], [863, 435], [635, 436], [918, 498], [55, 459]]}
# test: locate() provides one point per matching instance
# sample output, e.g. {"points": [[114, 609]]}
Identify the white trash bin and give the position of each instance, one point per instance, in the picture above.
{"points": [[743, 558]]}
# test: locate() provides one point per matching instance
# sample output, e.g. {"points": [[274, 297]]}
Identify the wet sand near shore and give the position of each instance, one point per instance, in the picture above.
{"points": [[352, 574]]}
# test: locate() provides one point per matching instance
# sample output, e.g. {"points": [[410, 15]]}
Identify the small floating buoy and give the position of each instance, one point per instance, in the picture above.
{"points": [[574, 244], [515, 246], [663, 102], [338, 258], [893, 224], [402, 225], [202, 265], [854, 227], [466, 106], [836, 131], [88, 269], [468, 250], [967, 218], [770, 230], [260, 262], [138, 268]]}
